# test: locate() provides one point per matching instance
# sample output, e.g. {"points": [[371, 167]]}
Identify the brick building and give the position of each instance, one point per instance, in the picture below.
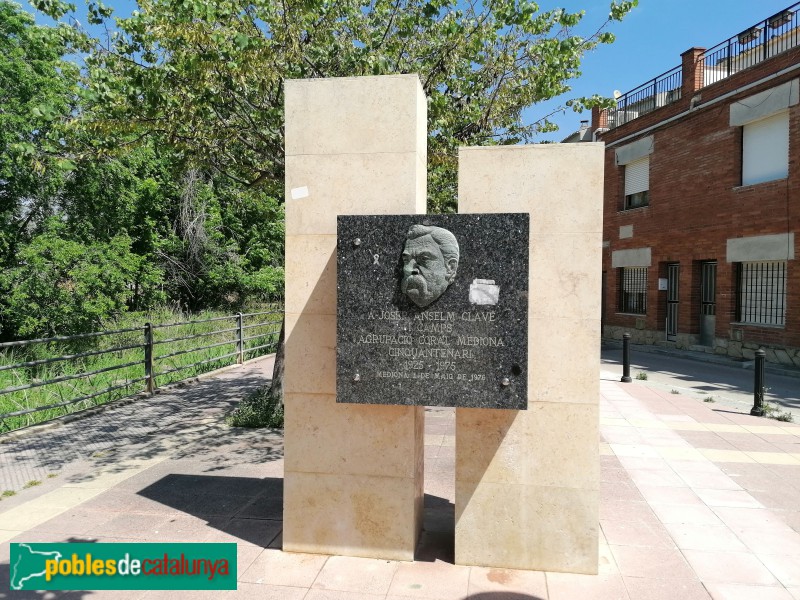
{"points": [[702, 199]]}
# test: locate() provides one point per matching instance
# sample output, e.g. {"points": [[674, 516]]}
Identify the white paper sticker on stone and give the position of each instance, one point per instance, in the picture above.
{"points": [[299, 192], [484, 292]]}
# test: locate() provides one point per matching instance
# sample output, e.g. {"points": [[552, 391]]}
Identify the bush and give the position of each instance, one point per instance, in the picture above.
{"points": [[63, 287], [259, 409]]}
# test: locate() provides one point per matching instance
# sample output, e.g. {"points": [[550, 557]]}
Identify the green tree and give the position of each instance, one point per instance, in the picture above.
{"points": [[218, 245], [227, 247], [69, 192], [38, 97], [62, 286], [207, 75]]}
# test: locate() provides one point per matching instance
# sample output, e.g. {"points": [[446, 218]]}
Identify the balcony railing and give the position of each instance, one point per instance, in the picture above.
{"points": [[762, 41], [755, 44], [660, 91]]}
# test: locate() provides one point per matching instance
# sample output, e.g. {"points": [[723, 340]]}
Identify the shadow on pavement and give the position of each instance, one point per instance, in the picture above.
{"points": [[502, 596], [184, 420], [246, 508], [251, 510], [437, 539]]}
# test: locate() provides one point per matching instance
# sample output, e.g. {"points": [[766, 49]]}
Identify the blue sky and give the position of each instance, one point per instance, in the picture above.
{"points": [[649, 42]]}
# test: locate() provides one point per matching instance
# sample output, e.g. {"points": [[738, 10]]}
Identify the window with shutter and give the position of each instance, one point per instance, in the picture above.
{"points": [[765, 149], [637, 183]]}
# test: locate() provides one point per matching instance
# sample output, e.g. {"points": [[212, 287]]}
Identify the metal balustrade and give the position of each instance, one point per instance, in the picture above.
{"points": [[768, 38], [755, 44], [143, 357], [659, 91]]}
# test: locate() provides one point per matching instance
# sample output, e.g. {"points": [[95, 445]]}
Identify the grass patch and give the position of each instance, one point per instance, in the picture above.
{"points": [[641, 375], [258, 409], [51, 475], [771, 411], [674, 392], [31, 483], [8, 493]]}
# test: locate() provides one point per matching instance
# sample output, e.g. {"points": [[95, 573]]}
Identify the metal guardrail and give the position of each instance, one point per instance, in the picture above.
{"points": [[659, 91], [175, 345], [755, 44]]}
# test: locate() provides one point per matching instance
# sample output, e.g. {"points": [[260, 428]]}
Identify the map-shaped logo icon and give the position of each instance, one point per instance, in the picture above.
{"points": [[28, 565]]}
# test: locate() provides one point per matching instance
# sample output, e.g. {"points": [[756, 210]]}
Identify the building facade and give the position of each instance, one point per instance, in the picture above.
{"points": [[702, 200]]}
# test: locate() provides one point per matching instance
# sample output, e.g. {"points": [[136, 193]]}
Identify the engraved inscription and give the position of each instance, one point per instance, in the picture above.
{"points": [[432, 310], [439, 356]]}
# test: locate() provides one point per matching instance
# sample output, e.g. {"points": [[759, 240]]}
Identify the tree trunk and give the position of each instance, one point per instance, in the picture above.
{"points": [[276, 389]]}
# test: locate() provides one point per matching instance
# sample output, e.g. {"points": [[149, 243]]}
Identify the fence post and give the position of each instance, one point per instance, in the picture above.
{"points": [[626, 358], [728, 61], [150, 383], [758, 385], [655, 93], [240, 338]]}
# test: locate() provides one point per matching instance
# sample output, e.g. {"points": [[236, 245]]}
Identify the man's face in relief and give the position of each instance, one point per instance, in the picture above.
{"points": [[426, 272]]}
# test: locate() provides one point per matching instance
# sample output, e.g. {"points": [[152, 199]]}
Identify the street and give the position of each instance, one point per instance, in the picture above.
{"points": [[725, 386]]}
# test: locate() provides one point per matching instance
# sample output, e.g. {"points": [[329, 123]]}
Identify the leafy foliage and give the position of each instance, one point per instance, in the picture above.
{"points": [[134, 214], [207, 75], [38, 93], [150, 167], [259, 409], [62, 286]]}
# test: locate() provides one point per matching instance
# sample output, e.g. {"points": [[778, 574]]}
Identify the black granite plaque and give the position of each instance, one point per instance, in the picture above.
{"points": [[433, 310]]}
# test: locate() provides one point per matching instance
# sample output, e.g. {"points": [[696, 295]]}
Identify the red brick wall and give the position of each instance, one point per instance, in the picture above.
{"points": [[697, 203]]}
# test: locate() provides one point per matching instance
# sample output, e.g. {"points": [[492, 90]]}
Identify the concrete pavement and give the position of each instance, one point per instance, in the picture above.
{"points": [[697, 501]]}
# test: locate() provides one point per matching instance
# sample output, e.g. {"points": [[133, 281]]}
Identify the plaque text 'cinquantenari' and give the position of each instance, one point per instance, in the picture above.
{"points": [[433, 310]]}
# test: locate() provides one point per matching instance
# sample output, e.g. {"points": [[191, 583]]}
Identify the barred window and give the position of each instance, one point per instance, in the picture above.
{"points": [[762, 293], [633, 290]]}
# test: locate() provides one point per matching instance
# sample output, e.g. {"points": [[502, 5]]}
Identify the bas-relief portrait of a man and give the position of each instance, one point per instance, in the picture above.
{"points": [[430, 261]]}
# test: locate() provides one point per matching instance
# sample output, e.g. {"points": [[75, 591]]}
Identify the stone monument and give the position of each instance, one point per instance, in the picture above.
{"points": [[495, 311], [527, 482]]}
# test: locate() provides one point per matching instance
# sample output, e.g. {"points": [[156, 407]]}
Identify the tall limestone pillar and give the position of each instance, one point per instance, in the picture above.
{"points": [[353, 473], [527, 481]]}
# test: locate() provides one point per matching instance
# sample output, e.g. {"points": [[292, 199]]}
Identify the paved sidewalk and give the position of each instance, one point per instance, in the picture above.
{"points": [[128, 431], [696, 502]]}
